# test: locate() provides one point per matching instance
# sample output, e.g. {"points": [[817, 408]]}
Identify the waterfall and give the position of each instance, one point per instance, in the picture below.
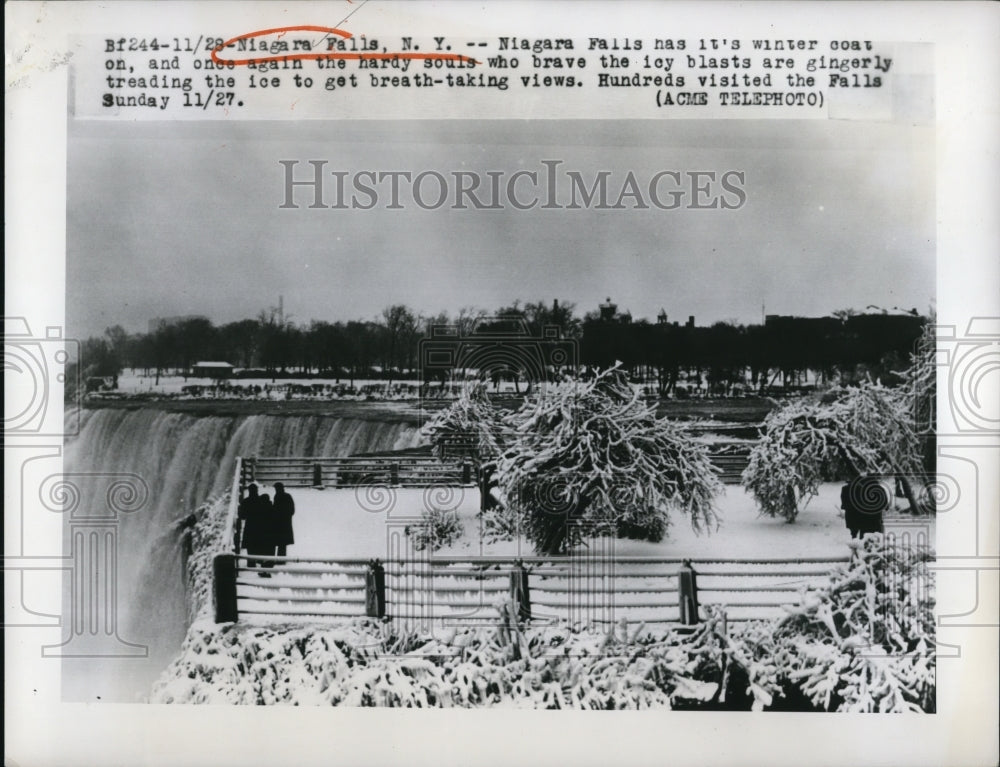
{"points": [[183, 461]]}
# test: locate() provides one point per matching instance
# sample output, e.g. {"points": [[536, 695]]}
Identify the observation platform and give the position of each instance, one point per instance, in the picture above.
{"points": [[355, 556]]}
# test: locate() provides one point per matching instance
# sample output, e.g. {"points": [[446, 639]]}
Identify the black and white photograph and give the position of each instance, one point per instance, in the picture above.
{"points": [[543, 396], [485, 456]]}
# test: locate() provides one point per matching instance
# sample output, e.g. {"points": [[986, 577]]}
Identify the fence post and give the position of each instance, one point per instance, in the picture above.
{"points": [[252, 465], [394, 474], [520, 595], [687, 581], [224, 572], [466, 472], [375, 590], [318, 476]]}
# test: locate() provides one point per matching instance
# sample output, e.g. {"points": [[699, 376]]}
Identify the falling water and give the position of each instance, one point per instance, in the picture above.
{"points": [[183, 460]]}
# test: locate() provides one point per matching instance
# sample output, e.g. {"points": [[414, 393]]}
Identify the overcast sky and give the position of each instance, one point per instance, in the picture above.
{"points": [[174, 219]]}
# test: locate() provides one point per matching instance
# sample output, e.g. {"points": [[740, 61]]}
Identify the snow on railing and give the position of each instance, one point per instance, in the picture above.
{"points": [[414, 471], [229, 532], [404, 471], [459, 590]]}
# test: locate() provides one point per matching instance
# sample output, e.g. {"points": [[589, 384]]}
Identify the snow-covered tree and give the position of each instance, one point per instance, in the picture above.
{"points": [[472, 426], [919, 390], [594, 454], [846, 433]]}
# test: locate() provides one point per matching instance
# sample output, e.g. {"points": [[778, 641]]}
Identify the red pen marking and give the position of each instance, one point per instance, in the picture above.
{"points": [[281, 31]]}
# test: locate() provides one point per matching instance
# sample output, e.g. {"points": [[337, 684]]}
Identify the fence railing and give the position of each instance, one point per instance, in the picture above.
{"points": [[412, 471], [403, 471], [449, 591], [730, 466]]}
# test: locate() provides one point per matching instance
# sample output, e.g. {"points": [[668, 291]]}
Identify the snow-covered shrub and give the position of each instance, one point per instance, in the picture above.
{"points": [[847, 433], [865, 641], [593, 454], [920, 378], [919, 388], [437, 528], [500, 524], [651, 529], [744, 676], [365, 664]]}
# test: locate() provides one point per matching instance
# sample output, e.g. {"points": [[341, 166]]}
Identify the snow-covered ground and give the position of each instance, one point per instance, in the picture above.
{"points": [[357, 522]]}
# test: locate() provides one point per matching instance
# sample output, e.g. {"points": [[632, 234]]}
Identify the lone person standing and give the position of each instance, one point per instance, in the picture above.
{"points": [[864, 501], [284, 509]]}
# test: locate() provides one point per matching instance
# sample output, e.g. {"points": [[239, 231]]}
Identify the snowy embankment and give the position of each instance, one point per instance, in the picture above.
{"points": [[206, 529], [367, 664]]}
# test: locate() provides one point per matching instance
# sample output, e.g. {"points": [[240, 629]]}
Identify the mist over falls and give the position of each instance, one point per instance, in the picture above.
{"points": [[184, 460]]}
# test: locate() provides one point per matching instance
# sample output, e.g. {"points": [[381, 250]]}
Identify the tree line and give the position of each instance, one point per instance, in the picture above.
{"points": [[784, 351], [724, 356]]}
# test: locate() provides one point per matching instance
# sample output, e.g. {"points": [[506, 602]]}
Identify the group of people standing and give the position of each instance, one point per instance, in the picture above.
{"points": [[266, 526]]}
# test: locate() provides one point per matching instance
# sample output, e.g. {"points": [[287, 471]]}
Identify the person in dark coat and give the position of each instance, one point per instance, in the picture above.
{"points": [[245, 512], [850, 514], [864, 500], [265, 520], [284, 510], [257, 517]]}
